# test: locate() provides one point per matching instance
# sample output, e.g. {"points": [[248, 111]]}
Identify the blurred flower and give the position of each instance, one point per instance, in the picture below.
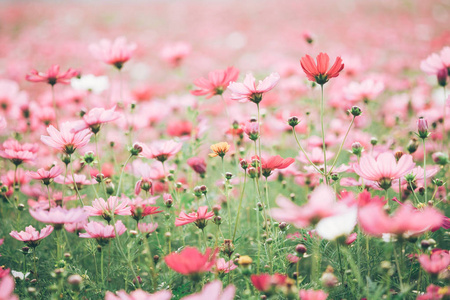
{"points": [[7, 285], [216, 83], [19, 153], [197, 164], [95, 118], [266, 282], [161, 150], [333, 227], [190, 261], [313, 295], [52, 76], [138, 295], [213, 291], [223, 266], [114, 53], [219, 149], [175, 53], [273, 163], [437, 262], [90, 83], [59, 215], [147, 228]]}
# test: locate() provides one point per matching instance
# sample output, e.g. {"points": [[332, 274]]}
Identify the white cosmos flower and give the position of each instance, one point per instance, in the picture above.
{"points": [[335, 226]]}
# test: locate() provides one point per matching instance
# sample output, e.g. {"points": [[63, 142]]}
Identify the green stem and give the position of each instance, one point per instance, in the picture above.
{"points": [[101, 267], [425, 169], [239, 208], [121, 175], [323, 137], [258, 237], [304, 152], [398, 268], [342, 145]]}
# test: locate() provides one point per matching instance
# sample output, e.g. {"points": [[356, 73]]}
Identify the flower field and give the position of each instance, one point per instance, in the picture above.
{"points": [[224, 150]]}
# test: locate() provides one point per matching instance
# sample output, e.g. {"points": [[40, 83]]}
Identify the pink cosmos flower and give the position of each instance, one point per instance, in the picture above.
{"points": [[223, 266], [95, 118], [59, 215], [52, 76], [80, 180], [162, 150], [265, 282], [374, 220], [436, 62], [437, 262], [176, 53], [138, 295], [7, 285], [101, 232], [216, 83], [199, 218], [384, 169], [44, 175], [114, 53], [292, 258], [322, 204], [197, 164], [106, 209], [147, 228], [75, 227], [434, 292], [274, 162], [367, 90], [65, 140], [319, 73], [213, 291], [312, 295], [251, 129], [31, 236], [191, 261], [19, 153], [248, 91], [141, 208]]}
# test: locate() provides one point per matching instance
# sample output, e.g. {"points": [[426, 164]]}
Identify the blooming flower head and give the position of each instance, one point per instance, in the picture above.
{"points": [[249, 91], [190, 261], [162, 150], [59, 215], [7, 285], [80, 180], [320, 73], [219, 149], [113, 206], [175, 53], [434, 63], [384, 169], [52, 76], [437, 262], [272, 163], [65, 139], [197, 164], [138, 295], [147, 228], [312, 295], [216, 83], [223, 266], [95, 118], [19, 153], [406, 220], [31, 236], [266, 282], [141, 208], [44, 175], [367, 90], [101, 232], [199, 217], [115, 52], [213, 291]]}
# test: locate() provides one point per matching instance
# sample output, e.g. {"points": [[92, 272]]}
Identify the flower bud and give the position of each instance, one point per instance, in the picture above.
{"points": [[156, 258], [422, 128], [373, 141], [75, 280], [216, 208], [357, 148], [228, 175], [109, 185], [440, 158], [283, 226], [442, 77], [136, 149], [245, 260], [204, 189], [252, 172], [328, 278], [99, 177], [217, 220], [197, 192], [300, 249], [293, 121], [412, 145], [243, 163], [355, 111], [438, 182], [398, 155]]}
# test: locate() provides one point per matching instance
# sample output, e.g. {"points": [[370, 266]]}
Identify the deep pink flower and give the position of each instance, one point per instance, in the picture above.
{"points": [[266, 282], [141, 208], [65, 140], [272, 163], [31, 236], [147, 228], [95, 118], [101, 232], [199, 217], [197, 164], [312, 295], [213, 291], [384, 169], [191, 261], [320, 73], [113, 206], [115, 52], [292, 258], [437, 262], [216, 83], [19, 153], [59, 215], [44, 175], [52, 76], [374, 220], [248, 91], [138, 295], [162, 150]]}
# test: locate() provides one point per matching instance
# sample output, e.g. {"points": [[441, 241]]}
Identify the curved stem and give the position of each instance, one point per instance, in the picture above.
{"points": [[121, 174], [304, 152], [74, 182], [342, 145]]}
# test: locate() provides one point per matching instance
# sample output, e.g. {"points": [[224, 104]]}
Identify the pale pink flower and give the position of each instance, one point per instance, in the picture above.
{"points": [[10, 95], [75, 227], [249, 91], [322, 204], [65, 140], [52, 76], [407, 220], [213, 291], [44, 175], [101, 232], [115, 52], [223, 266], [216, 83], [199, 217], [138, 295], [7, 285], [437, 262], [162, 150], [31, 236], [313, 295], [106, 209], [384, 169], [59, 215], [147, 228], [174, 54], [95, 118], [368, 89], [80, 180], [19, 153], [434, 62]]}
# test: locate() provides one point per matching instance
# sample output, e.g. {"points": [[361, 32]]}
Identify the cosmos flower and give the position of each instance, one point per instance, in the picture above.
{"points": [[320, 73], [65, 139], [19, 153], [101, 232], [106, 209], [191, 261], [219, 149], [216, 83], [115, 52], [59, 215], [162, 150], [213, 291], [199, 217], [249, 91], [31, 236], [437, 262], [138, 295], [95, 118], [44, 175], [52, 76]]}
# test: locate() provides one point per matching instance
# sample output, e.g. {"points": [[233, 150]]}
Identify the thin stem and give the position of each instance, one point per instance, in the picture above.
{"points": [[425, 169], [413, 192], [342, 145], [49, 199], [101, 267], [341, 271], [323, 137], [398, 268], [240, 205], [304, 152], [444, 130], [74, 182], [54, 104], [258, 237], [121, 174]]}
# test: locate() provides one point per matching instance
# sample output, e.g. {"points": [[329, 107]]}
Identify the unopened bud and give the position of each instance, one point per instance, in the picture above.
{"points": [[422, 128], [412, 145], [136, 149], [373, 141], [293, 121], [356, 111], [442, 77], [398, 155]]}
